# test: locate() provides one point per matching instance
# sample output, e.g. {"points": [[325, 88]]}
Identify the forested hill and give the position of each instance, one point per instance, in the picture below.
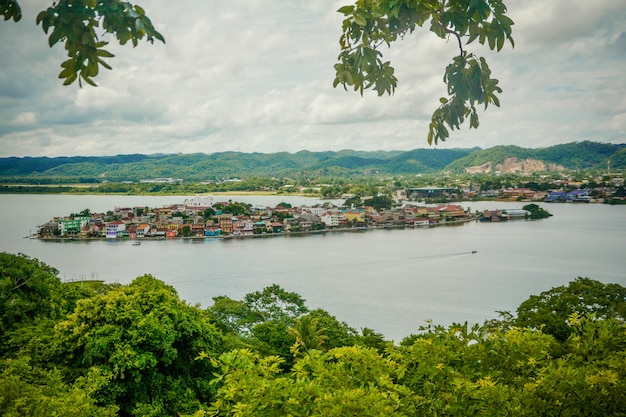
{"points": [[576, 155], [200, 166]]}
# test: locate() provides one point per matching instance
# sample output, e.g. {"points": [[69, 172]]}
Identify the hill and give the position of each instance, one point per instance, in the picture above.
{"points": [[221, 165], [575, 155]]}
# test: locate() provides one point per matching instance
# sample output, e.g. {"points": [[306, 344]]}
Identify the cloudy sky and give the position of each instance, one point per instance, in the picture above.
{"points": [[256, 76]]}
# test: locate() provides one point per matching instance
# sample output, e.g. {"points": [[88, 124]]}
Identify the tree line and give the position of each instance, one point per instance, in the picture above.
{"points": [[302, 165], [97, 349]]}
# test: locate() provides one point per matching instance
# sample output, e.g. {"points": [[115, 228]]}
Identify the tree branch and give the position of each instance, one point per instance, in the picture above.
{"points": [[458, 38]]}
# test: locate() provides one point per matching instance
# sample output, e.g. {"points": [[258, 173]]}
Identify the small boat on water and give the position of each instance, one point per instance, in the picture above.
{"points": [[136, 243]]}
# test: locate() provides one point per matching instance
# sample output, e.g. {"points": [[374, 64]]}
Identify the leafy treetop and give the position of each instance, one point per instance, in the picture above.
{"points": [[550, 310], [74, 22], [138, 349], [369, 24]]}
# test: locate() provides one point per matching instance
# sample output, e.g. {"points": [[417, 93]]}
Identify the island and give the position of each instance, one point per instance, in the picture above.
{"points": [[529, 212], [201, 217]]}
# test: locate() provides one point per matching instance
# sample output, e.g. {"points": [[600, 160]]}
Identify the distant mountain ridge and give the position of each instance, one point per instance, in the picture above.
{"points": [[220, 165], [575, 155]]}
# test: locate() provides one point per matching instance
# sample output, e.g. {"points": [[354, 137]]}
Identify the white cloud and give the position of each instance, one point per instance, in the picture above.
{"points": [[257, 76], [25, 118]]}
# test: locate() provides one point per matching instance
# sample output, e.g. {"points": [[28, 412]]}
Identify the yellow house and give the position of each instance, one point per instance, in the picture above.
{"points": [[357, 216]]}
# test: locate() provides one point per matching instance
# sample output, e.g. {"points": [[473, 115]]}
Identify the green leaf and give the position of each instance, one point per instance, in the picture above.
{"points": [[500, 40], [88, 80], [347, 76], [69, 80], [491, 38], [505, 20], [104, 64], [106, 54], [346, 10], [40, 17], [474, 120], [86, 38], [65, 73], [56, 35], [359, 20]]}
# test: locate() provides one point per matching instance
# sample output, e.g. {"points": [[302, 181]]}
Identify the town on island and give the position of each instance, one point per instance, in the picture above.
{"points": [[201, 217]]}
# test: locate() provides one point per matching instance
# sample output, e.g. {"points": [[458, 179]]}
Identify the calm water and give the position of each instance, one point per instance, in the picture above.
{"points": [[388, 280]]}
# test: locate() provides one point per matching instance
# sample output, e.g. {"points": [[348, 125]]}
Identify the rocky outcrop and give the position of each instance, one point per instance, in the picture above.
{"points": [[480, 169], [514, 165]]}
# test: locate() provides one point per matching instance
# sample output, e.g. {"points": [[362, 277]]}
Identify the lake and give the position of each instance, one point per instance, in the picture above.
{"points": [[389, 280]]}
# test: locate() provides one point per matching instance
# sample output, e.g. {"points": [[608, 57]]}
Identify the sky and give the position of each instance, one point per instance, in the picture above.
{"points": [[257, 75]]}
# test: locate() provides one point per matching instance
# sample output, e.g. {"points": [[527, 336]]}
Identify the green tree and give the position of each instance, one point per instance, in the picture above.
{"points": [[233, 315], [262, 320], [337, 333], [274, 303], [379, 202], [551, 309], [372, 339], [31, 391], [588, 378], [272, 338], [75, 23], [143, 339], [369, 24], [236, 208], [308, 333], [208, 213], [356, 201], [349, 381], [536, 212], [29, 289], [32, 301]]}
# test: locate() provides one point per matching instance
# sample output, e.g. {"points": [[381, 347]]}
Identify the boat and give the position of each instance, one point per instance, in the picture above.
{"points": [[136, 243]]}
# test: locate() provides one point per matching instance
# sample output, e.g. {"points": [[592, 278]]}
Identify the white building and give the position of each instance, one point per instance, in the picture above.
{"points": [[143, 230], [113, 227], [331, 220], [318, 211], [199, 201]]}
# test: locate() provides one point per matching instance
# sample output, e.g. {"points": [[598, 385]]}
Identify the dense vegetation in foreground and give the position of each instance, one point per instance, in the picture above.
{"points": [[94, 349]]}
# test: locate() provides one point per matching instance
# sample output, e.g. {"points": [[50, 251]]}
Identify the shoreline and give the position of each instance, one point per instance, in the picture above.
{"points": [[261, 235]]}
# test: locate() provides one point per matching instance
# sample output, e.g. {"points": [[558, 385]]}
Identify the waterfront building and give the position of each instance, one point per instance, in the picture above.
{"points": [[72, 226], [578, 196], [555, 196], [225, 222], [198, 202], [426, 192], [113, 227]]}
